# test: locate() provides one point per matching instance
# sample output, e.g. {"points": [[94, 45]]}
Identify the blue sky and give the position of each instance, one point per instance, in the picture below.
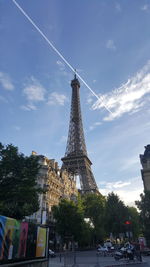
{"points": [[108, 42]]}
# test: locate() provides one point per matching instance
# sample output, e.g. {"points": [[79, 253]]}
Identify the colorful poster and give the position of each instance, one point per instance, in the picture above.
{"points": [[2, 231], [19, 240], [7, 247], [41, 242], [15, 242], [23, 239], [31, 240]]}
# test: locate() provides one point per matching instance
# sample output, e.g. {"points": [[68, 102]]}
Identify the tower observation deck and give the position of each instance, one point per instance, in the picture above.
{"points": [[76, 159]]}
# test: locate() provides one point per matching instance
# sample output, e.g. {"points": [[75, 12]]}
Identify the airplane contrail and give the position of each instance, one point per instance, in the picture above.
{"points": [[56, 50]]}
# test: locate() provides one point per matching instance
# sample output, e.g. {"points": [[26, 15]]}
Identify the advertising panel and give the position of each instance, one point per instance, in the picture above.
{"points": [[31, 240], [41, 242], [20, 240], [15, 240], [7, 246], [9, 238], [23, 239], [2, 231]]}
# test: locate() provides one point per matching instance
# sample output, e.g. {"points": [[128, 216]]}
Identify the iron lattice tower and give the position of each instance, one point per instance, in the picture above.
{"points": [[76, 159]]}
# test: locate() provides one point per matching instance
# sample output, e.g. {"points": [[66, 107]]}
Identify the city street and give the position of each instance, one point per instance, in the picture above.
{"points": [[90, 259]]}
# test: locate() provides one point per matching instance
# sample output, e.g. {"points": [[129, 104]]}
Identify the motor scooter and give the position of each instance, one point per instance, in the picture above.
{"points": [[124, 253], [120, 254]]}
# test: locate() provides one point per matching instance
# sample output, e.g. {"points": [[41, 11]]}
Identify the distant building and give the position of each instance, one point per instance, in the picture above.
{"points": [[145, 172], [58, 184]]}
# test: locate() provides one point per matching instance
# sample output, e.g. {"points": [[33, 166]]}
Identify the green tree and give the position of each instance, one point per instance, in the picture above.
{"points": [[134, 217], [144, 207], [18, 183], [94, 209], [116, 214], [69, 219], [87, 235]]}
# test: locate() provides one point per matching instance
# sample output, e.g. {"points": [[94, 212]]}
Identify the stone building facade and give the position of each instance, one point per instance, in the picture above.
{"points": [[58, 184], [145, 172]]}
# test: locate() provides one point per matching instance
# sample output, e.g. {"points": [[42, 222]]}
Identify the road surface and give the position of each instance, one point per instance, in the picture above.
{"points": [[90, 259]]}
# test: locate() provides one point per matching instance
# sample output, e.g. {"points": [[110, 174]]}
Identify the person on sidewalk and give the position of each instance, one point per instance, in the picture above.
{"points": [[137, 251]]}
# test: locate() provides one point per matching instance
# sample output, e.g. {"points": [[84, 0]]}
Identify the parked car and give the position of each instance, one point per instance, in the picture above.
{"points": [[52, 253]]}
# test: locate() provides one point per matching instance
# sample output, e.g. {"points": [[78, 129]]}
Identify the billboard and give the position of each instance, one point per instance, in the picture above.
{"points": [[21, 239], [2, 231], [41, 242], [9, 237]]}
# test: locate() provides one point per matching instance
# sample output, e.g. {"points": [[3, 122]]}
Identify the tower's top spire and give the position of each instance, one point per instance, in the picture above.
{"points": [[75, 82], [75, 76]]}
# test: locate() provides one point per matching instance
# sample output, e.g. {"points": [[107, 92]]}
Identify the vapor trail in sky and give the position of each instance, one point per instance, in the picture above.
{"points": [[61, 56]]}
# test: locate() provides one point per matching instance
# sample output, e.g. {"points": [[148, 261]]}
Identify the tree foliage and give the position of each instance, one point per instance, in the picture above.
{"points": [[134, 218], [144, 207], [104, 216], [116, 213], [18, 185], [69, 219], [94, 209]]}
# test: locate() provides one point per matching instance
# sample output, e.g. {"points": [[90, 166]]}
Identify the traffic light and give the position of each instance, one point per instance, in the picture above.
{"points": [[127, 222]]}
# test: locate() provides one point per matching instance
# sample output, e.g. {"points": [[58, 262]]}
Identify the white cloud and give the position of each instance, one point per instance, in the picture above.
{"points": [[61, 65], [56, 99], [79, 70], [63, 139], [6, 82], [128, 191], [121, 184], [92, 127], [17, 128], [145, 7], [90, 98], [128, 98], [118, 7], [129, 163], [111, 45], [28, 107], [112, 185], [3, 99], [129, 197], [34, 91]]}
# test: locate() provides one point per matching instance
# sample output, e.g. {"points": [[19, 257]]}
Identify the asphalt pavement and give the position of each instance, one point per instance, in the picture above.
{"points": [[91, 259]]}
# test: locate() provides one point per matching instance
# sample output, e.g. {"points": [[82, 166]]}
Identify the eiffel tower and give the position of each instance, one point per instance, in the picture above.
{"points": [[76, 160]]}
